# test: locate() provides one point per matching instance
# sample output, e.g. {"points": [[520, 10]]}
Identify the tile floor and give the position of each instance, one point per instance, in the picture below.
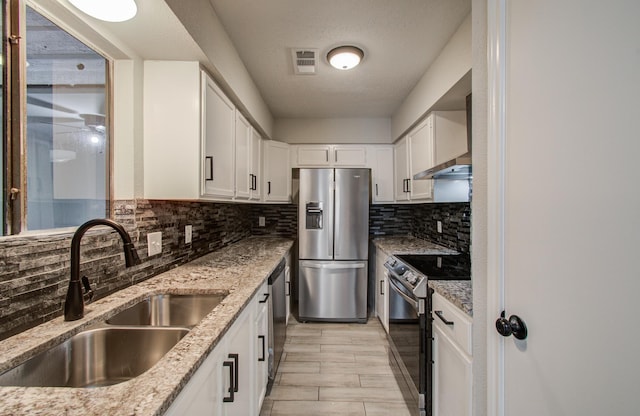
{"points": [[335, 369]]}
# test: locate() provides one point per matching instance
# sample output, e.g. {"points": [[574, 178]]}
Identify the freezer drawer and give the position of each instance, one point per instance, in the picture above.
{"points": [[333, 291]]}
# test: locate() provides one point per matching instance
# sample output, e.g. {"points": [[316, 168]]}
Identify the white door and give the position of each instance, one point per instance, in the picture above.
{"points": [[569, 223]]}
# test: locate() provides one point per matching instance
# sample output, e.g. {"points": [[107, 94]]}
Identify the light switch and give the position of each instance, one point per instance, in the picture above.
{"points": [[154, 243], [260, 221], [188, 231], [439, 226]]}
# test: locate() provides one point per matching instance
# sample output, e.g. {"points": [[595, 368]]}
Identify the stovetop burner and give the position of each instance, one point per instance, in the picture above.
{"points": [[440, 267]]}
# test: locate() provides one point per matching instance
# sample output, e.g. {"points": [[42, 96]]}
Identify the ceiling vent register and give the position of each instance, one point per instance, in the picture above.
{"points": [[305, 61]]}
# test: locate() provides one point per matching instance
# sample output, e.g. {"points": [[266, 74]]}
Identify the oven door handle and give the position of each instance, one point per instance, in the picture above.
{"points": [[404, 296]]}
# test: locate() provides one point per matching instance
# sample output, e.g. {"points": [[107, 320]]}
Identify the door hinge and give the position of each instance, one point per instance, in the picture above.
{"points": [[14, 39]]}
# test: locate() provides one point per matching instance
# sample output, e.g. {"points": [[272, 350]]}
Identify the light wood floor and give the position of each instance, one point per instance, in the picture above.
{"points": [[335, 369]]}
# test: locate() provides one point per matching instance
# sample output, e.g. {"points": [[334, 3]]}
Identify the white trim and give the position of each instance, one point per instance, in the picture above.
{"points": [[496, 166]]}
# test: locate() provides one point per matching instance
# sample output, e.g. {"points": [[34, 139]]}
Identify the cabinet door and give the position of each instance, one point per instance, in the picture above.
{"points": [[382, 173], [203, 394], [314, 155], [218, 150], [239, 352], [382, 288], [401, 169], [449, 134], [277, 172], [244, 180], [451, 376], [351, 156], [421, 158], [256, 165], [172, 91], [261, 355], [287, 282]]}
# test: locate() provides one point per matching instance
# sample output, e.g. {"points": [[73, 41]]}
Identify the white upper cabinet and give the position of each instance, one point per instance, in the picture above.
{"points": [[276, 172], [218, 141], [329, 155], [256, 165], [421, 155], [350, 156], [413, 154], [244, 176], [382, 175], [171, 118], [450, 135], [401, 169], [439, 137]]}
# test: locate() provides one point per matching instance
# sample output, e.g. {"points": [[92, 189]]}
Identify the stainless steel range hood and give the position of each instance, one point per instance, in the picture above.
{"points": [[457, 168]]}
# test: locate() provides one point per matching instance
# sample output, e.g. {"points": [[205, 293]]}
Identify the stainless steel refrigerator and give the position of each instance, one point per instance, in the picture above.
{"points": [[333, 233]]}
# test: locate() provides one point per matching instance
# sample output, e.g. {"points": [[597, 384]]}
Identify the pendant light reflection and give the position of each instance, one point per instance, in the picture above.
{"points": [[107, 10], [345, 57]]}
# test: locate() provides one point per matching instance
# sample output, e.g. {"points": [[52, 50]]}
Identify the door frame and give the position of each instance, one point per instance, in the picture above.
{"points": [[496, 178]]}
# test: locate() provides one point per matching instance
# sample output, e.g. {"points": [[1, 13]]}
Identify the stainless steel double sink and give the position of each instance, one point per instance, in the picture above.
{"points": [[119, 349]]}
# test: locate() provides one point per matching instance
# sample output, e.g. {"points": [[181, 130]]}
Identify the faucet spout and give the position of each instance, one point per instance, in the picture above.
{"points": [[74, 302]]}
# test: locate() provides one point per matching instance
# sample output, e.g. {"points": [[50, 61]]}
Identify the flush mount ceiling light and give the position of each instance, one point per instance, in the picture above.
{"points": [[345, 57], [107, 10]]}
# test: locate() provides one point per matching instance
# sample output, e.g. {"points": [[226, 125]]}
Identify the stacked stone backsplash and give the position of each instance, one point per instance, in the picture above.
{"points": [[456, 224], [34, 270], [418, 220]]}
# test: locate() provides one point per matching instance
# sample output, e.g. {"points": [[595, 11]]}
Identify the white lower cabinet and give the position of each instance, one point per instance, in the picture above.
{"points": [[232, 379], [452, 361], [261, 355], [382, 290]]}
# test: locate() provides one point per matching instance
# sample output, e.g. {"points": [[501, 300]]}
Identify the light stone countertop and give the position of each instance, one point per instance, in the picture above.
{"points": [[239, 269], [458, 292]]}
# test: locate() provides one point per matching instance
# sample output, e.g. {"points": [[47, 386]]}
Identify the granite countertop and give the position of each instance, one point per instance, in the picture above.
{"points": [[239, 269], [458, 292]]}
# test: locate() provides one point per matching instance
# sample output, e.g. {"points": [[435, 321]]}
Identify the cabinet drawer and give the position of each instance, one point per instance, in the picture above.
{"points": [[461, 325]]}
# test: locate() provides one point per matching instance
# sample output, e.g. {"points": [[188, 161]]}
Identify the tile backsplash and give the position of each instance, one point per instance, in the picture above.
{"points": [[34, 270]]}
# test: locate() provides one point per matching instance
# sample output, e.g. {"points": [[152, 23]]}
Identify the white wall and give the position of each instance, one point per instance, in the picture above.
{"points": [[452, 64], [333, 130], [226, 66]]}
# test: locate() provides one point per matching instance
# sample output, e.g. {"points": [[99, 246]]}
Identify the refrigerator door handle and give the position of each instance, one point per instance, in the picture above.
{"points": [[314, 265]]}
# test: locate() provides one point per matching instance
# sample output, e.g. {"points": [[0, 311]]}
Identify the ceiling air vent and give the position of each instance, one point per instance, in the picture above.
{"points": [[305, 61]]}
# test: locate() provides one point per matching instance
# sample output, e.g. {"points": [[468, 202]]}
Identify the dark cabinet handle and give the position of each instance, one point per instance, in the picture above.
{"points": [[288, 289], [269, 188], [514, 325], [266, 296], [442, 318], [408, 185], [381, 287], [236, 364], [263, 348], [231, 397], [210, 160], [376, 189], [255, 182]]}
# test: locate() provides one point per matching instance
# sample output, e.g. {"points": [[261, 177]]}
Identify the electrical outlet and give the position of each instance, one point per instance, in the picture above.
{"points": [[260, 221], [188, 234], [154, 243], [439, 226]]}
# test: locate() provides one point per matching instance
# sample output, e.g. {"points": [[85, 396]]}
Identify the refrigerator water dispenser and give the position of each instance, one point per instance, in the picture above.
{"points": [[314, 215]]}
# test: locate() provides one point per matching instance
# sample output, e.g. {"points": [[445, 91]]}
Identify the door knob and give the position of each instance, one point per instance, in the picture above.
{"points": [[514, 325]]}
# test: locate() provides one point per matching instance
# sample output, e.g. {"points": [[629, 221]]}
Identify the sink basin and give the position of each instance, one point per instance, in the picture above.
{"points": [[96, 357], [168, 310]]}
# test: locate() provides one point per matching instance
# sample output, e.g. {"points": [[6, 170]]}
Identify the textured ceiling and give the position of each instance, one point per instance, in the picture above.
{"points": [[400, 39]]}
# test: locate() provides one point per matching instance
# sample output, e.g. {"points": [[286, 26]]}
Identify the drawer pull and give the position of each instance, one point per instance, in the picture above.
{"points": [[442, 318], [266, 296]]}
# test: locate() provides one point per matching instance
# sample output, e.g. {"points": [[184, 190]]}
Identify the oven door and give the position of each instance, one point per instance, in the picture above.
{"points": [[408, 341]]}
